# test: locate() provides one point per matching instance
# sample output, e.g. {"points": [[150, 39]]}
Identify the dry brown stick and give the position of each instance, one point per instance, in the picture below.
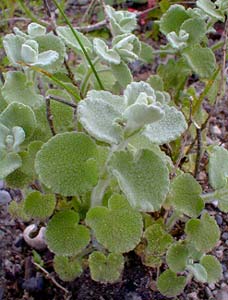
{"points": [[89, 8], [48, 276], [49, 116], [58, 99], [199, 152]]}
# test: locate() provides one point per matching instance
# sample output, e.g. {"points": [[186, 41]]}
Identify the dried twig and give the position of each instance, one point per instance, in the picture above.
{"points": [[58, 99], [49, 116], [49, 276], [89, 8], [199, 152]]}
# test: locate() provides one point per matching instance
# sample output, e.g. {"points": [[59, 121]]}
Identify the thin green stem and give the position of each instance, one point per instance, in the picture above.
{"points": [[30, 14], [85, 80], [80, 44]]}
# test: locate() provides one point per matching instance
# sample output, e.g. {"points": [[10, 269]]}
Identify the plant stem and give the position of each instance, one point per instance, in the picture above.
{"points": [[85, 80], [58, 99], [48, 275], [30, 14], [50, 116], [172, 220], [80, 44]]}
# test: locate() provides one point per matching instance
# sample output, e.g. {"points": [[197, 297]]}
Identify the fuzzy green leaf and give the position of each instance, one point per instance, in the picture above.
{"points": [[66, 34], [106, 269], [171, 285], [12, 45], [196, 28], [67, 163], [218, 167], [176, 257], [16, 209], [35, 29], [185, 195], [122, 74], [156, 82], [169, 128], [210, 9], [222, 196], [178, 41], [158, 241], [9, 162], [121, 21], [213, 268], [16, 88], [203, 233], [135, 89], [102, 50], [118, 227], [198, 271], [143, 178], [99, 114], [50, 43], [39, 206], [201, 60], [173, 19], [64, 236], [18, 114], [67, 268]]}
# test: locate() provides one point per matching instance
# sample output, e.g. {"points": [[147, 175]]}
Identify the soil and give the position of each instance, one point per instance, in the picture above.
{"points": [[21, 280]]}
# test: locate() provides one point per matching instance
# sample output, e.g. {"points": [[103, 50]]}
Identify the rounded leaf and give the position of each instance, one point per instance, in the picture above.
{"points": [[39, 206], [67, 164], [213, 268], [176, 257], [173, 19], [18, 114], [144, 178], [169, 128], [67, 268], [64, 236], [185, 195], [105, 53], [199, 272], [118, 227], [17, 88], [171, 285], [106, 269], [203, 233]]}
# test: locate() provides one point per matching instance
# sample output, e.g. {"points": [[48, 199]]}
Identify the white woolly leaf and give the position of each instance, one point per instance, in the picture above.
{"points": [[12, 45], [35, 29], [99, 114], [66, 34], [169, 128], [196, 28], [178, 41], [144, 178], [9, 162], [102, 50], [121, 21], [106, 269], [67, 163]]}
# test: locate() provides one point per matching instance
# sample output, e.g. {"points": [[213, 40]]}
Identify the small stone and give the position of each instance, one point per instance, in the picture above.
{"points": [[1, 187], [133, 296], [33, 284], [212, 286], [215, 203], [193, 296], [216, 130], [222, 294], [219, 253], [208, 292], [225, 236], [5, 197], [218, 219]]}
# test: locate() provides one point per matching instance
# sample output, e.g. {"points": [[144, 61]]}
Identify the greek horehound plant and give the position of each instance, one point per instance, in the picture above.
{"points": [[97, 182]]}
